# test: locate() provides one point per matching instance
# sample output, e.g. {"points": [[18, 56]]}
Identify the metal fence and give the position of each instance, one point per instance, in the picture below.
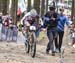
{"points": [[9, 34]]}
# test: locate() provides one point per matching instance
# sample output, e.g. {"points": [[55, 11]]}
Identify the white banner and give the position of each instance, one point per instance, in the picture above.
{"points": [[21, 6]]}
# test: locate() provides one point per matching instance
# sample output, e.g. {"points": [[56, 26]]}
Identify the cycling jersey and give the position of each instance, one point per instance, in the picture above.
{"points": [[28, 18]]}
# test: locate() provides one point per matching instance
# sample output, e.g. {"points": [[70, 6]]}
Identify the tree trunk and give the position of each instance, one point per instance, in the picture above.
{"points": [[42, 7], [1, 5], [37, 5], [14, 11], [29, 6], [7, 6], [46, 5], [4, 6]]}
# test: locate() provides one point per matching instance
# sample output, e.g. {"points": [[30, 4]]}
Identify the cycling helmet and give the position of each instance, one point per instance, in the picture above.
{"points": [[33, 13]]}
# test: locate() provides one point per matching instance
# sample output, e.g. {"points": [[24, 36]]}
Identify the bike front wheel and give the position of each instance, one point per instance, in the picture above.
{"points": [[33, 47], [33, 50]]}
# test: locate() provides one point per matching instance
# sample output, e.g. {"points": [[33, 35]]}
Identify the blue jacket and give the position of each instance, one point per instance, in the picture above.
{"points": [[61, 22]]}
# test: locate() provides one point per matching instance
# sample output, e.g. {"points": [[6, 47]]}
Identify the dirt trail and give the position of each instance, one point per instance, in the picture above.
{"points": [[15, 53]]}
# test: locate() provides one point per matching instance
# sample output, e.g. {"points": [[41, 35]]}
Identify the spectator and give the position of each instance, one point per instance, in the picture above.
{"points": [[50, 22], [60, 28]]}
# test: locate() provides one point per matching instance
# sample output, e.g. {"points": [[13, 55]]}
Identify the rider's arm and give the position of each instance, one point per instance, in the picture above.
{"points": [[22, 20]]}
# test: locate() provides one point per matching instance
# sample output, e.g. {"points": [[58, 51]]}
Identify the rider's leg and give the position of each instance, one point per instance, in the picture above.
{"points": [[26, 36], [37, 33], [26, 33]]}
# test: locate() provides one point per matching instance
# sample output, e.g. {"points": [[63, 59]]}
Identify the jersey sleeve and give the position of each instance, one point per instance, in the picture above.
{"points": [[68, 22]]}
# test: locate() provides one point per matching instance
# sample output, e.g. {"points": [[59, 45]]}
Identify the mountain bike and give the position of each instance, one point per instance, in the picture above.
{"points": [[30, 42]]}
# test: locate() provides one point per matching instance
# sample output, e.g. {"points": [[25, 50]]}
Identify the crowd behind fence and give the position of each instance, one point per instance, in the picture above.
{"points": [[8, 31]]}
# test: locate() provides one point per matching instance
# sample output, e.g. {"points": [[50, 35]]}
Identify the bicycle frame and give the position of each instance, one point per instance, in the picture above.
{"points": [[31, 38]]}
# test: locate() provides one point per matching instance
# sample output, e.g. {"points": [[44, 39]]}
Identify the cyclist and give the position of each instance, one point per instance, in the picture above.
{"points": [[60, 28], [50, 22], [30, 19]]}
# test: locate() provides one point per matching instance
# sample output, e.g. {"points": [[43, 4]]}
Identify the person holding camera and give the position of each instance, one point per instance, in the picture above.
{"points": [[51, 19]]}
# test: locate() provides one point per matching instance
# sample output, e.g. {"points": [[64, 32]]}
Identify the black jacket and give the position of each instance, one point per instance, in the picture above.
{"points": [[50, 23]]}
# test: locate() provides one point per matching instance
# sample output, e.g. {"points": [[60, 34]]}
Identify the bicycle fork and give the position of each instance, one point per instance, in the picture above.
{"points": [[31, 40]]}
